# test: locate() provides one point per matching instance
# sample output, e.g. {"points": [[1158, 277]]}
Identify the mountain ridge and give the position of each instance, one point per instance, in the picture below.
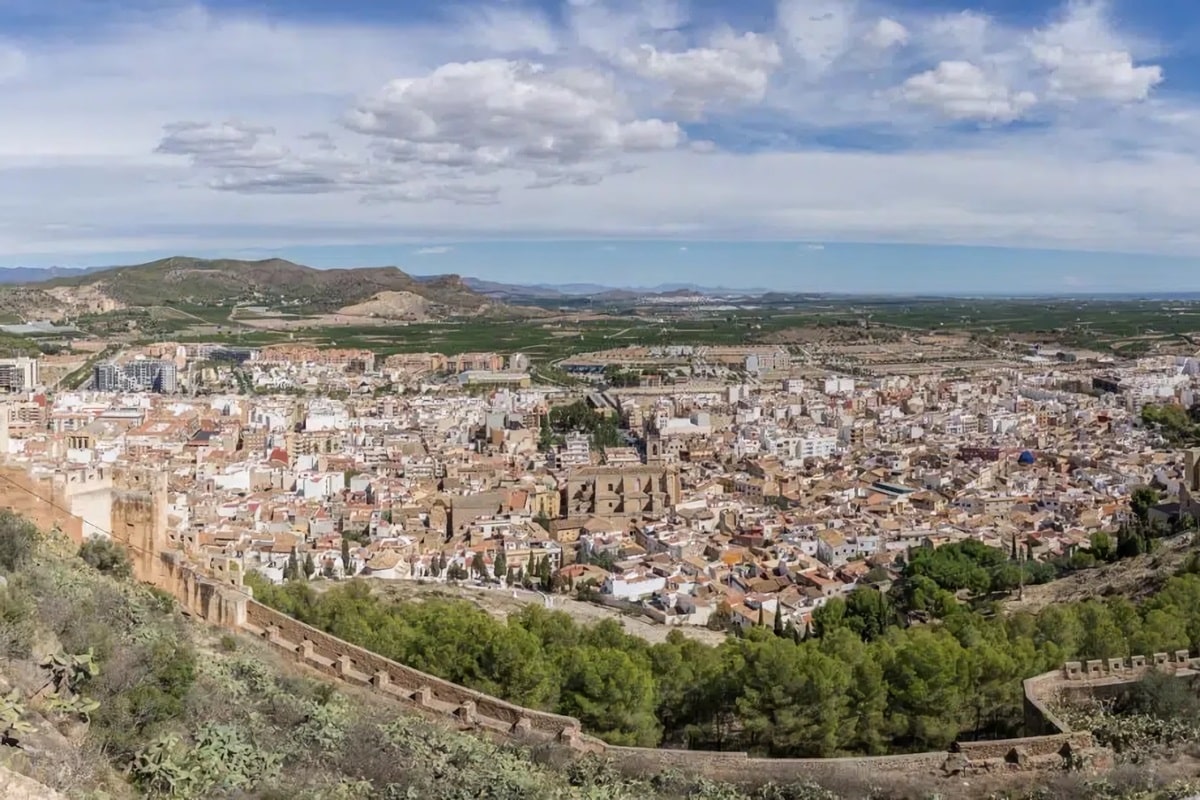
{"points": [[271, 282]]}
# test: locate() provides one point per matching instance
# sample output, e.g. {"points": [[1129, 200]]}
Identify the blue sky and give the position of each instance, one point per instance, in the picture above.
{"points": [[820, 144]]}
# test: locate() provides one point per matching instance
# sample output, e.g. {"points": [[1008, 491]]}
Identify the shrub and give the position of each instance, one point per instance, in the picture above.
{"points": [[18, 540], [107, 556]]}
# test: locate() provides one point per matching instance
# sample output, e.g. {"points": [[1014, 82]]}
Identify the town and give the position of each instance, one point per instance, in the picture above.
{"points": [[706, 488]]}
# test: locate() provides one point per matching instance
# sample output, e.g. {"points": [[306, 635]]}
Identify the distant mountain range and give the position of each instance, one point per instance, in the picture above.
{"points": [[17, 275], [551, 291]]}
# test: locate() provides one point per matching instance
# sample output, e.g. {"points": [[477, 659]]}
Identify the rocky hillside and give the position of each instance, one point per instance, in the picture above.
{"points": [[272, 282]]}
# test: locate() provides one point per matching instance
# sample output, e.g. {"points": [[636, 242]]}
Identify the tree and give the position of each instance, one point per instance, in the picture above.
{"points": [[291, 570], [778, 618], [478, 568], [721, 619], [1141, 501], [346, 556], [310, 568], [544, 574], [1102, 546], [500, 566]]}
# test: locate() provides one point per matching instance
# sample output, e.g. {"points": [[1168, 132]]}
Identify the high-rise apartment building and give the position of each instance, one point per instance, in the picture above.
{"points": [[140, 375], [17, 374]]}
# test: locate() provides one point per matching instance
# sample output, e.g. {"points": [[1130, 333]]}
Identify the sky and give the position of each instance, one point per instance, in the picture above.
{"points": [[824, 145]]}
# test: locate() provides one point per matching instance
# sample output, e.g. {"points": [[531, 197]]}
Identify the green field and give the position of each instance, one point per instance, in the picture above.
{"points": [[1125, 327]]}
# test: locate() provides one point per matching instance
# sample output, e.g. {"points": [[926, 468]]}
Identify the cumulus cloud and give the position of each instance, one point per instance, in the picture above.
{"points": [[732, 70], [1087, 60], [502, 114], [961, 90]]}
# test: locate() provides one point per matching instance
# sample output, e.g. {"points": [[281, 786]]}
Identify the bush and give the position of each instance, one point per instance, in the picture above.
{"points": [[18, 540], [107, 556]]}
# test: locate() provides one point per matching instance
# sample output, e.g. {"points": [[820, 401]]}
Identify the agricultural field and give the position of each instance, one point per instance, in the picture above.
{"points": [[1121, 327]]}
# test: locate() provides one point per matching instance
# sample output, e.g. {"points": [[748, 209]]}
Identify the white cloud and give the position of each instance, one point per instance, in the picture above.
{"points": [[886, 33], [818, 31], [733, 70], [961, 90], [438, 250], [814, 247], [1108, 75], [1087, 60], [496, 114], [571, 125]]}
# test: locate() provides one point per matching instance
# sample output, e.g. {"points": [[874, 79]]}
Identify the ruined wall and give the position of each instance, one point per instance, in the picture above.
{"points": [[41, 499], [139, 519]]}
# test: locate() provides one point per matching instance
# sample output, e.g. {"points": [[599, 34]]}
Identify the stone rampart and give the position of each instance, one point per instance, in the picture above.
{"points": [[228, 606], [347, 662]]}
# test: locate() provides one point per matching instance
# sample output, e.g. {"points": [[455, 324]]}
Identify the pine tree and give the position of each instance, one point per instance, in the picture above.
{"points": [[500, 566]]}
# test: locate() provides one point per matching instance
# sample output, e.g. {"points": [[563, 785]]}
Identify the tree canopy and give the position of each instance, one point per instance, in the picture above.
{"points": [[863, 683]]}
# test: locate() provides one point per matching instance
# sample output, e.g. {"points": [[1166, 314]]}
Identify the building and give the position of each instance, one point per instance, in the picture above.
{"points": [[576, 451], [621, 491], [139, 375], [17, 374]]}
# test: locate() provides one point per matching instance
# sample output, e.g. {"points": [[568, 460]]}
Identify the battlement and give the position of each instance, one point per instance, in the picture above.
{"points": [[1129, 669]]}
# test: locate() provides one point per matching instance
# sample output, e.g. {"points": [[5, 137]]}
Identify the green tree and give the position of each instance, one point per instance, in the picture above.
{"points": [[346, 557], [478, 567], [1102, 546], [778, 627], [1141, 501], [500, 565], [310, 568]]}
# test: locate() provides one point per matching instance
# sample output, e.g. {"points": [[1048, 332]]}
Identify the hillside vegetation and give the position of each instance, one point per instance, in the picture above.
{"points": [[273, 282], [865, 683]]}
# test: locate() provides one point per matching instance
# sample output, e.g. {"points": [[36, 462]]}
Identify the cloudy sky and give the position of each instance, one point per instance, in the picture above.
{"points": [[823, 144]]}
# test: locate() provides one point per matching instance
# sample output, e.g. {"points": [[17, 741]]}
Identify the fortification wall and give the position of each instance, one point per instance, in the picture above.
{"points": [[40, 499], [347, 662]]}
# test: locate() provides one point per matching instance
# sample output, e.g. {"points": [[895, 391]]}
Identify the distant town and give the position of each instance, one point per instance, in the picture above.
{"points": [[703, 487]]}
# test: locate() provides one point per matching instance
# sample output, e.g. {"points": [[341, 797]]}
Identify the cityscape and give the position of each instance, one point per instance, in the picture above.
{"points": [[599, 400]]}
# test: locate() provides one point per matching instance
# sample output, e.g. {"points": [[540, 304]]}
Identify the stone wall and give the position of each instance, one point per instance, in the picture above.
{"points": [[41, 499], [347, 662]]}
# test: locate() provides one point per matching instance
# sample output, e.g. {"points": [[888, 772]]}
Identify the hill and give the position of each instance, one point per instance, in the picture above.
{"points": [[273, 282]]}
